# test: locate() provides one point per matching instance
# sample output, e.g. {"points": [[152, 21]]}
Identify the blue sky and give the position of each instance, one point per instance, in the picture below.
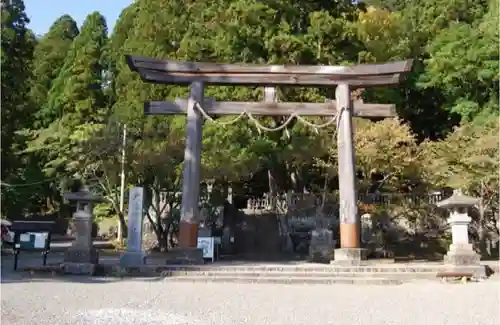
{"points": [[43, 13]]}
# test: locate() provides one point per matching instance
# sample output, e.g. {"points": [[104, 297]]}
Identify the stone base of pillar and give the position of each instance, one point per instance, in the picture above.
{"points": [[132, 259], [183, 256], [80, 261], [188, 234], [79, 268], [321, 248], [478, 271], [349, 256], [461, 254], [79, 255]]}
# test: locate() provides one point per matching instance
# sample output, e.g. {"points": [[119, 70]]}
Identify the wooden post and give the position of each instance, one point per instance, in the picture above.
{"points": [[270, 96], [188, 231], [349, 221]]}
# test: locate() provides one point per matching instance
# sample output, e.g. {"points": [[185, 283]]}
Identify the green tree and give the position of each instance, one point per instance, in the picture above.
{"points": [[468, 159], [382, 34], [423, 32], [388, 157], [464, 62], [49, 57], [114, 51], [76, 100], [426, 19], [17, 54]]}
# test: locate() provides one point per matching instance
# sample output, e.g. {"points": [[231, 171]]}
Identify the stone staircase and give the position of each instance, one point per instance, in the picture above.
{"points": [[304, 274]]}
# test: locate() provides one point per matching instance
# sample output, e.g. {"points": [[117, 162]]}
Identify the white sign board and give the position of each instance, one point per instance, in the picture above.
{"points": [[135, 215], [207, 244], [24, 237], [40, 239]]}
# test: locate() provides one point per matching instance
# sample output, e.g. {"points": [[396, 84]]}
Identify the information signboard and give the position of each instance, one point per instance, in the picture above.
{"points": [[207, 244]]}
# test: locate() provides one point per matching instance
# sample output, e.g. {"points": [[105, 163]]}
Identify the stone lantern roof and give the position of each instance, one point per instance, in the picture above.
{"points": [[458, 200], [84, 195]]}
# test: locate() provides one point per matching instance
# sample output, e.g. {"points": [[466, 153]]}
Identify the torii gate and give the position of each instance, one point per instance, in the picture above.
{"points": [[345, 79]]}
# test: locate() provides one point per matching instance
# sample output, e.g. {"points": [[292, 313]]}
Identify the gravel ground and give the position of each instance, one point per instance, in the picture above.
{"points": [[80, 300]]}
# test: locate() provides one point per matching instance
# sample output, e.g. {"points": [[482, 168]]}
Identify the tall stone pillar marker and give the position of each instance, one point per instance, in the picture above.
{"points": [[350, 251], [134, 255], [461, 252], [82, 257], [188, 232]]}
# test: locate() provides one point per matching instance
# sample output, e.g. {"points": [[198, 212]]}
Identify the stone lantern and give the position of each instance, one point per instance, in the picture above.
{"points": [[82, 257], [460, 252]]}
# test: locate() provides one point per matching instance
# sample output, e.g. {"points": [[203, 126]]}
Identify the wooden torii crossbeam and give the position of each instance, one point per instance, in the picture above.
{"points": [[178, 72], [345, 79], [180, 106]]}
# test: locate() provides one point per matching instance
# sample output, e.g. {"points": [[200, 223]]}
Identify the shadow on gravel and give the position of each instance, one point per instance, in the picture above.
{"points": [[28, 261], [23, 277], [489, 271]]}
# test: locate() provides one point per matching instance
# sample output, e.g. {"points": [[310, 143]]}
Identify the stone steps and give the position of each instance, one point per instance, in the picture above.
{"points": [[285, 280], [315, 274], [303, 274], [305, 269], [327, 275]]}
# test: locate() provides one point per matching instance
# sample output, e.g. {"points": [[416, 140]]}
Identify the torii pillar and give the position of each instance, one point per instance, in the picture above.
{"points": [[350, 251], [188, 228]]}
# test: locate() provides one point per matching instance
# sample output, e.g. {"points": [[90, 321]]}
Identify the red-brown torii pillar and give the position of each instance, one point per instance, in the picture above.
{"points": [[345, 79]]}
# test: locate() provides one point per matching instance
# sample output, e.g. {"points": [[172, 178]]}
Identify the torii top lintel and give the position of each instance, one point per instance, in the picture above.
{"points": [[183, 73]]}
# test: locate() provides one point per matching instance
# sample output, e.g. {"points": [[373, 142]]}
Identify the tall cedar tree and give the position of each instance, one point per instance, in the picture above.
{"points": [[17, 54], [50, 53], [76, 98], [115, 51]]}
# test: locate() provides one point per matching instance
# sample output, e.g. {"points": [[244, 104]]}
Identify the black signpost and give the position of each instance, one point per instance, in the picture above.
{"points": [[32, 236]]}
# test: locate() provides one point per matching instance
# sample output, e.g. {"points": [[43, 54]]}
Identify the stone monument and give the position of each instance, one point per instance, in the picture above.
{"points": [[322, 246], [134, 256], [367, 237], [366, 228], [82, 257], [461, 252]]}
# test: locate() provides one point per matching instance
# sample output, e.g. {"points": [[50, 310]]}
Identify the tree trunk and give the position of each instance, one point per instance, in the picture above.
{"points": [[481, 231], [123, 223], [273, 191], [163, 243], [295, 179], [161, 237], [170, 235]]}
